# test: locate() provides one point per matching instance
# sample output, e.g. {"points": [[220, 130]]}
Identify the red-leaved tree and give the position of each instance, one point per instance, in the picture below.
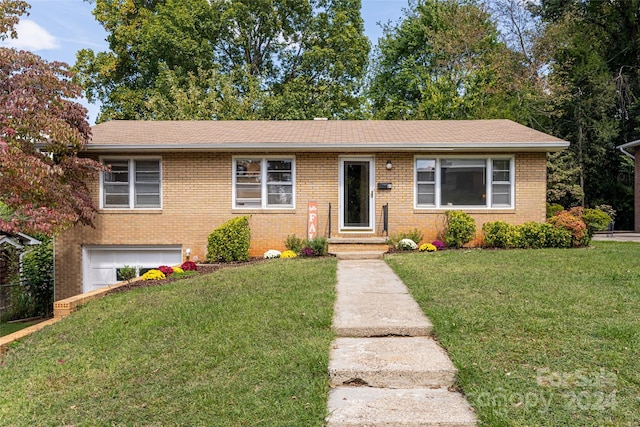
{"points": [[42, 130]]}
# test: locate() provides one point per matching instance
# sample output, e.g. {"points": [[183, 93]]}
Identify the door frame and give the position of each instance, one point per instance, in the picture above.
{"points": [[341, 197]]}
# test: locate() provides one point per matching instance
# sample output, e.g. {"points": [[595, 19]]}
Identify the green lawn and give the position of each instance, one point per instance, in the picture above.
{"points": [[9, 328], [247, 346], [540, 337]]}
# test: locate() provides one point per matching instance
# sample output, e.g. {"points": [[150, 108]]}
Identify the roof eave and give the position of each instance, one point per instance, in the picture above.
{"points": [[511, 147], [633, 144]]}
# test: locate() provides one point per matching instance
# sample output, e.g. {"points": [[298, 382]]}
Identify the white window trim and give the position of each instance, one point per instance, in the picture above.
{"points": [[488, 182], [130, 160], [263, 182]]}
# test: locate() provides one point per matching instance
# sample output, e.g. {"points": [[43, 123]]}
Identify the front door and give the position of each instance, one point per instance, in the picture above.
{"points": [[356, 209]]}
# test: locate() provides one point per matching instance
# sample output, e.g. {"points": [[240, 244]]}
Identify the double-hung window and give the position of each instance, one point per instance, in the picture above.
{"points": [[464, 182], [132, 183], [260, 182]]}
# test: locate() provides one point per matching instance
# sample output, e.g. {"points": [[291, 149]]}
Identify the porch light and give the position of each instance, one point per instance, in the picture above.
{"points": [[187, 252], [389, 165]]}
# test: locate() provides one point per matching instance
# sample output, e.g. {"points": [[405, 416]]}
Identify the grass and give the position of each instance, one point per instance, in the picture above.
{"points": [[9, 328], [239, 347], [540, 337]]}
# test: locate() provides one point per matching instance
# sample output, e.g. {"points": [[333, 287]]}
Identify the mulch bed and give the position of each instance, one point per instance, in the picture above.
{"points": [[202, 269]]}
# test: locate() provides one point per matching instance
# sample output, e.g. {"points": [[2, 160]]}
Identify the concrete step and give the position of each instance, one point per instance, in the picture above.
{"points": [[366, 406], [368, 277], [379, 315], [358, 255], [406, 362], [358, 247], [373, 302], [359, 240]]}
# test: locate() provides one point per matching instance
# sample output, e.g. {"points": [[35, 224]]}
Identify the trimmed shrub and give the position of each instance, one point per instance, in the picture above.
{"points": [[498, 234], [230, 242], [553, 209], [460, 228], [596, 220], [530, 235], [574, 224], [535, 235], [294, 243], [189, 266], [559, 237], [608, 209]]}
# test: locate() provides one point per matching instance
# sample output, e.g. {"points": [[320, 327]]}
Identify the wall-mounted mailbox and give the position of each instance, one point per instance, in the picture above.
{"points": [[384, 186]]}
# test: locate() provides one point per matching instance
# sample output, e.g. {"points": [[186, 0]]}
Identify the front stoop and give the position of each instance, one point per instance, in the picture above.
{"points": [[366, 406], [358, 248]]}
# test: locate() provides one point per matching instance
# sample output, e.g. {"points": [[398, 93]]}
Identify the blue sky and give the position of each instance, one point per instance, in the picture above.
{"points": [[57, 29]]}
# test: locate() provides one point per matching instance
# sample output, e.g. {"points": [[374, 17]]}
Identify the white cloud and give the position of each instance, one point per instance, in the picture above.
{"points": [[32, 37]]}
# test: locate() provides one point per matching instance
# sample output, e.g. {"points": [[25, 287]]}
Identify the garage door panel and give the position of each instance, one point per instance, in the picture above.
{"points": [[101, 263]]}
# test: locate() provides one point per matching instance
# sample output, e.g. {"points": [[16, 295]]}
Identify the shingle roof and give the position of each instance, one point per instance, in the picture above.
{"points": [[320, 135]]}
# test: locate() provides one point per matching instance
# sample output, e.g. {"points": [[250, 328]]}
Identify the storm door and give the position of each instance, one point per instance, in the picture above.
{"points": [[357, 195]]}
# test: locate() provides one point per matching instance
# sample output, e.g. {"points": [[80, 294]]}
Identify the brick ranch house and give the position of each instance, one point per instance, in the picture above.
{"points": [[172, 182]]}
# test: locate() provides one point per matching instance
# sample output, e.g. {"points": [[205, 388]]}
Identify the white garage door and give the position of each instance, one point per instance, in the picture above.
{"points": [[101, 263]]}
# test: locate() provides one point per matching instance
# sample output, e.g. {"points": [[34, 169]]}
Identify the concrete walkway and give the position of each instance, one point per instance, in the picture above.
{"points": [[618, 236], [384, 368]]}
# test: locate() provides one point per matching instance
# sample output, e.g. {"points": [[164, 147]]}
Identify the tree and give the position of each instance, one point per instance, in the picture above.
{"points": [[563, 179], [278, 59], [588, 105], [42, 131], [444, 60], [598, 60]]}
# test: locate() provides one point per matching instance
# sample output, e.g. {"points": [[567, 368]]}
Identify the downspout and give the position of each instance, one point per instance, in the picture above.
{"points": [[621, 147]]}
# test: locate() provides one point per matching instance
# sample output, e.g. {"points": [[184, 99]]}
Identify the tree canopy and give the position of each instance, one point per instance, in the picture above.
{"points": [[42, 130], [445, 60], [569, 68], [220, 59], [596, 66]]}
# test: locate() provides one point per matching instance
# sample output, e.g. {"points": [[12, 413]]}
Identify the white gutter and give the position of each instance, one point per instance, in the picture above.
{"points": [[332, 147], [10, 241], [631, 144]]}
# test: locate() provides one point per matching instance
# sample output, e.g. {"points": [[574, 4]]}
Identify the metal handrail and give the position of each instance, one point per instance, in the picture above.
{"points": [[329, 223], [385, 219]]}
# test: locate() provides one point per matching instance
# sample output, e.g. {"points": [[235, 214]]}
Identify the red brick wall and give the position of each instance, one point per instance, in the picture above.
{"points": [[197, 197]]}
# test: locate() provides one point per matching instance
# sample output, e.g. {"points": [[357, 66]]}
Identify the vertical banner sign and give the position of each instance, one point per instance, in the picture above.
{"points": [[312, 224]]}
